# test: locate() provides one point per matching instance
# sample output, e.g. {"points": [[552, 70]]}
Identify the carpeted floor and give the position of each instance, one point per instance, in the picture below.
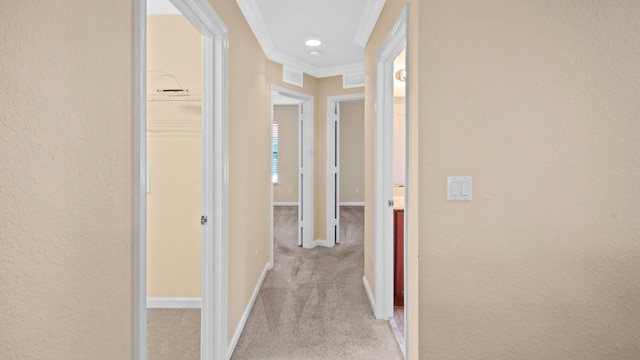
{"points": [[313, 304], [173, 334]]}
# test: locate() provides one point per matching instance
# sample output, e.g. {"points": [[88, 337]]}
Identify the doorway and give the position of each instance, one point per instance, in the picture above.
{"points": [[390, 200], [399, 165], [292, 173], [285, 168], [346, 187], [213, 194], [174, 153]]}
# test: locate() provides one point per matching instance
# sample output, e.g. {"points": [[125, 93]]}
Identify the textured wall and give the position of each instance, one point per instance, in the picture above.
{"points": [[286, 116], [352, 151], [66, 180], [538, 101]]}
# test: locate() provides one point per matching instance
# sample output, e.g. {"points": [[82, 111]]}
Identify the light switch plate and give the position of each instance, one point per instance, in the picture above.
{"points": [[459, 188]]}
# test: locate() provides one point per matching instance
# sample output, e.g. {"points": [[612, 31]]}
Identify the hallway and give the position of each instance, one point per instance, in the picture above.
{"points": [[312, 304]]}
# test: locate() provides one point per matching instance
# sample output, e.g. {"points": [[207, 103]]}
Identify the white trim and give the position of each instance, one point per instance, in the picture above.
{"points": [[367, 289], [162, 8], [397, 334], [284, 203], [368, 21], [215, 177], [174, 303], [383, 214], [252, 14], [351, 81], [292, 76], [352, 203], [332, 213], [140, 195], [271, 183], [247, 312], [395, 42], [305, 164], [321, 243]]}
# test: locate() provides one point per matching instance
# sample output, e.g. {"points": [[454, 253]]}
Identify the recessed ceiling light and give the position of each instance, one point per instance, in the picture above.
{"points": [[313, 42], [315, 52]]}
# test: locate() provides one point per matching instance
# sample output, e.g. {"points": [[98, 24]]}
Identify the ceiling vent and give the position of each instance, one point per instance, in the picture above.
{"points": [[352, 80], [292, 76]]}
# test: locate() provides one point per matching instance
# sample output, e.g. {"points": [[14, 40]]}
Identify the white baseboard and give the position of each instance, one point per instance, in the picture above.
{"points": [[281, 203], [397, 333], [369, 294], [352, 203], [174, 303], [247, 311], [323, 243]]}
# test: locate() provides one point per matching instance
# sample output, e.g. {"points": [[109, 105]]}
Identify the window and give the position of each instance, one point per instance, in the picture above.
{"points": [[274, 155]]}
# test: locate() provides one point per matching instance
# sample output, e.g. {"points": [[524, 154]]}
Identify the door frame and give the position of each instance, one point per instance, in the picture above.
{"points": [[305, 158], [213, 344], [393, 45], [333, 167]]}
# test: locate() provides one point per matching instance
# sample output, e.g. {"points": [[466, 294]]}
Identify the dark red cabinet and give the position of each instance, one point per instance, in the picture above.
{"points": [[398, 257]]}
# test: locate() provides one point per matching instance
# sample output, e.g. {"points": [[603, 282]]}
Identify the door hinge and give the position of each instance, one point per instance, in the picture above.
{"points": [[203, 220]]}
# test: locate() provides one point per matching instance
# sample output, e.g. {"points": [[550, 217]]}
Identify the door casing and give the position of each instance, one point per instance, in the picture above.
{"points": [[393, 45], [214, 185]]}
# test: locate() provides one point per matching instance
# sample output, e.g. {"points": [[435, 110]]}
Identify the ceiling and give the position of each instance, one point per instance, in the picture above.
{"points": [[283, 26], [344, 27]]}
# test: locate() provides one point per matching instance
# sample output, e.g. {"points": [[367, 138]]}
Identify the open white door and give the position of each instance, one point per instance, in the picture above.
{"points": [[334, 170], [301, 182], [333, 164]]}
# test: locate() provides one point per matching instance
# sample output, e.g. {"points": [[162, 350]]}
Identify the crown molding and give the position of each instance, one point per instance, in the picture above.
{"points": [[252, 14], [162, 7], [315, 71], [368, 21]]}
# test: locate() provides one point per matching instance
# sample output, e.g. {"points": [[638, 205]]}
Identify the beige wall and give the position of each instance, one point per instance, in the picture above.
{"points": [[286, 190], [66, 180], [174, 151], [388, 17], [538, 101], [352, 151]]}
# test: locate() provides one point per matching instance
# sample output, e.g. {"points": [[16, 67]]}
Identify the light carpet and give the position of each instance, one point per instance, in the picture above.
{"points": [[312, 304]]}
